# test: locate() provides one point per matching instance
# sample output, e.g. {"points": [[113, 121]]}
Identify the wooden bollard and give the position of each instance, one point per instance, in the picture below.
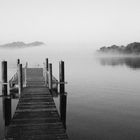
{"points": [[18, 61], [62, 77], [4, 78], [46, 71], [7, 110], [63, 106], [63, 95], [47, 68], [47, 64], [20, 83], [25, 72], [21, 77], [50, 76]]}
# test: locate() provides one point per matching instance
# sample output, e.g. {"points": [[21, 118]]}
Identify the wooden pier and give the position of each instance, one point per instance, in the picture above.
{"points": [[36, 116]]}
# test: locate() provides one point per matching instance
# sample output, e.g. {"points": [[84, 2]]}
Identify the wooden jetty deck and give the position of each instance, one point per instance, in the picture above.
{"points": [[36, 116]]}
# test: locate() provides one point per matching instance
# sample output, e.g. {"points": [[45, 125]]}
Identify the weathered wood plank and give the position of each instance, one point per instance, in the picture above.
{"points": [[36, 116]]}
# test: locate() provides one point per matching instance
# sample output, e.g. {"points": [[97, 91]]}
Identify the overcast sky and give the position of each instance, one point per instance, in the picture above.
{"points": [[93, 23]]}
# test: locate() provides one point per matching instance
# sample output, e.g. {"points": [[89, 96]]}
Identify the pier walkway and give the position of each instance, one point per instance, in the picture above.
{"points": [[36, 116]]}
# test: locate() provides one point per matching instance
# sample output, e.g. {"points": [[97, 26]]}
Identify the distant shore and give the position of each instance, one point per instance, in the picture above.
{"points": [[21, 44], [132, 48]]}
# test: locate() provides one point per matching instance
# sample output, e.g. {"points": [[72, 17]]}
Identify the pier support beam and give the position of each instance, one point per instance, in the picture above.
{"points": [[25, 72], [7, 110], [18, 62], [47, 64], [62, 77], [50, 76], [20, 83], [63, 95], [46, 71], [63, 106], [4, 78]]}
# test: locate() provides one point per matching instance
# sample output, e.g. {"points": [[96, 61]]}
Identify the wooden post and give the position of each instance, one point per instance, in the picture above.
{"points": [[18, 61], [46, 71], [50, 76], [63, 106], [43, 69], [47, 64], [63, 95], [21, 77], [62, 77], [7, 113], [26, 74], [20, 83], [4, 78]]}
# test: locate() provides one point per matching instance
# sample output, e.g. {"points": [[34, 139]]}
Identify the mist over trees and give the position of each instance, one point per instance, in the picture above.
{"points": [[21, 44], [132, 48]]}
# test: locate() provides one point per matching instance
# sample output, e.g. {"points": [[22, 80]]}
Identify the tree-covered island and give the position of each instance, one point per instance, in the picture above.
{"points": [[132, 48]]}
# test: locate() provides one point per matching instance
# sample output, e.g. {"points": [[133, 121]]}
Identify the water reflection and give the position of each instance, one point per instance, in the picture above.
{"points": [[62, 103], [132, 62]]}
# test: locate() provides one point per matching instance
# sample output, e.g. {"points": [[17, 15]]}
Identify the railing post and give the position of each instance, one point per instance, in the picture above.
{"points": [[25, 72], [4, 78], [18, 62], [47, 64], [20, 83], [50, 76], [63, 95], [43, 69], [62, 77], [46, 71]]}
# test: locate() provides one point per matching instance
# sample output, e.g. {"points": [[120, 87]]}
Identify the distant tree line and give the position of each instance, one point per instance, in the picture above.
{"points": [[132, 48], [22, 44]]}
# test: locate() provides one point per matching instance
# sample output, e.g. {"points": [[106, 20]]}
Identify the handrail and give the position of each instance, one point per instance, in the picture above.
{"points": [[54, 80], [13, 79]]}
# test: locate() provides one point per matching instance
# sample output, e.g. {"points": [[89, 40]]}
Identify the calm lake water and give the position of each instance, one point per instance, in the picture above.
{"points": [[103, 92]]}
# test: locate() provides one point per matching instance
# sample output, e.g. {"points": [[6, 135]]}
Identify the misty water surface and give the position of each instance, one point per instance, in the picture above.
{"points": [[103, 93]]}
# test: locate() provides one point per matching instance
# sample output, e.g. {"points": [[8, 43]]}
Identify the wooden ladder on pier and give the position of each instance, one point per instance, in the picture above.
{"points": [[36, 116]]}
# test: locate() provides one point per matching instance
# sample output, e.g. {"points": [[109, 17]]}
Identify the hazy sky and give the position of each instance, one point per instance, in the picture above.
{"points": [[91, 23]]}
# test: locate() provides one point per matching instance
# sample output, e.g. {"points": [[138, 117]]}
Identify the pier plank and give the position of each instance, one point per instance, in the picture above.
{"points": [[36, 116]]}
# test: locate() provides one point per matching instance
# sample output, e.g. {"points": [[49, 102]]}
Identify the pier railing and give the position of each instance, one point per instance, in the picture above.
{"points": [[19, 81], [50, 81], [14, 80]]}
